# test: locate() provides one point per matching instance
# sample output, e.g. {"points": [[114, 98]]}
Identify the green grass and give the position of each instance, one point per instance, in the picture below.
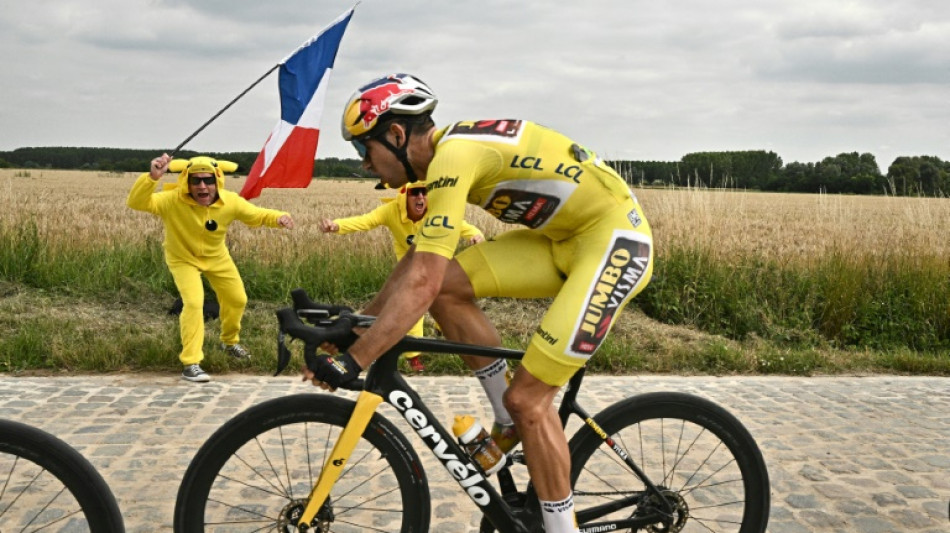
{"points": [[104, 309], [891, 302]]}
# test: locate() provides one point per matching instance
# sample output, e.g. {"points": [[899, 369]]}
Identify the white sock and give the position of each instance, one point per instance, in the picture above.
{"points": [[558, 517], [494, 379]]}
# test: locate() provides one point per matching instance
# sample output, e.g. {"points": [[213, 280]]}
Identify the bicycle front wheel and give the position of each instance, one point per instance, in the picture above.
{"points": [[704, 461], [256, 472], [46, 485]]}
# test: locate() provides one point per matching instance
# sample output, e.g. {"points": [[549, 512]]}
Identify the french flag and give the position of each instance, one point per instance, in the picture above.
{"points": [[287, 158]]}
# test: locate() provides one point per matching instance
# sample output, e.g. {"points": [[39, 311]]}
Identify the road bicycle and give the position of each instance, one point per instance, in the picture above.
{"points": [[657, 462], [46, 485]]}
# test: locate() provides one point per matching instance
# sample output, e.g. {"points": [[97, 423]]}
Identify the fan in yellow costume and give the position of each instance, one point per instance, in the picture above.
{"points": [[403, 215], [196, 213]]}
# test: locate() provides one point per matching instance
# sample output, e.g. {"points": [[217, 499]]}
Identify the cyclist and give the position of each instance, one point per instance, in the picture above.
{"points": [[402, 215], [586, 243]]}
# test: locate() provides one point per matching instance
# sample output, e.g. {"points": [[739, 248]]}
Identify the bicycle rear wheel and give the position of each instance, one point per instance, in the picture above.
{"points": [[256, 472], [46, 485], [701, 457]]}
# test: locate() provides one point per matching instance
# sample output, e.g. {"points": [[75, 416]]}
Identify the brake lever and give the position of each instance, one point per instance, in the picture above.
{"points": [[283, 353]]}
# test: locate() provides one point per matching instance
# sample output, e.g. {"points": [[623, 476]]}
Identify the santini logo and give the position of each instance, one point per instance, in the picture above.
{"points": [[443, 181], [463, 471]]}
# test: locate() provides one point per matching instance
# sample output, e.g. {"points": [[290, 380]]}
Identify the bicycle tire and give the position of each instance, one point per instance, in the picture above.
{"points": [[45, 484], [705, 461], [258, 469]]}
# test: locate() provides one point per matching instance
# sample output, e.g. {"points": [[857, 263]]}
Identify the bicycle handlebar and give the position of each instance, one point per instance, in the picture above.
{"points": [[338, 331], [303, 304], [330, 330]]}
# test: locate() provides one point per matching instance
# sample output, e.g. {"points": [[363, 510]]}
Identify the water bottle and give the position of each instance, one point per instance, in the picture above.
{"points": [[478, 444]]}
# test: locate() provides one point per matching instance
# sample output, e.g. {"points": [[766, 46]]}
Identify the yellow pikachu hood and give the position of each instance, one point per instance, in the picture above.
{"points": [[200, 164]]}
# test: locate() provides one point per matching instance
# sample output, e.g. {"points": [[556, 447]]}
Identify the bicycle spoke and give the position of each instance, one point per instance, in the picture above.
{"points": [[270, 465], [704, 463], [362, 526], [45, 507], [6, 482], [698, 474], [269, 523], [36, 500], [241, 509], [269, 472], [364, 507], [283, 449], [277, 490], [57, 521]]}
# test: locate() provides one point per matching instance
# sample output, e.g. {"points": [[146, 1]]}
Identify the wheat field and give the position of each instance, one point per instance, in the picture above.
{"points": [[84, 209]]}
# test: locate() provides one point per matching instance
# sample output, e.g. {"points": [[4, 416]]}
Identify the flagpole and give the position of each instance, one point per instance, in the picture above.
{"points": [[225, 108]]}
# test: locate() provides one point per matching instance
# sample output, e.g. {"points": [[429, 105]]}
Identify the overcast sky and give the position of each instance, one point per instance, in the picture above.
{"points": [[631, 79]]}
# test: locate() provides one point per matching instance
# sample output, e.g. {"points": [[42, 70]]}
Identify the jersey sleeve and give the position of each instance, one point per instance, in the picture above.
{"points": [[457, 165]]}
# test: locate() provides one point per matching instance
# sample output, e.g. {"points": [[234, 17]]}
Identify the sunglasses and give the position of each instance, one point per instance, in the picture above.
{"points": [[360, 148], [209, 181], [417, 191]]}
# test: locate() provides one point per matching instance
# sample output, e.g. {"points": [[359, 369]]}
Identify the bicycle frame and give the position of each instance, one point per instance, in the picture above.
{"points": [[384, 383]]}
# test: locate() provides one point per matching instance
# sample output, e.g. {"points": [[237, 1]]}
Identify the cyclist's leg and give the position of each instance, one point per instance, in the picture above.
{"points": [[476, 273], [531, 404], [461, 320], [516, 264], [605, 267], [458, 316], [191, 321]]}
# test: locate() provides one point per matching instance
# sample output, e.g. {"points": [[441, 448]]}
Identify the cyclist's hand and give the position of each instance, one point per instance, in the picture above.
{"points": [[342, 344], [331, 372]]}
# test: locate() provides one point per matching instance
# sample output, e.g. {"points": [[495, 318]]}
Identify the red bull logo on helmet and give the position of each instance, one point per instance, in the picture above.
{"points": [[376, 98]]}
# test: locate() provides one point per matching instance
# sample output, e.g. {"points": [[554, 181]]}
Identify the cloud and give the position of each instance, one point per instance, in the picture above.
{"points": [[861, 43], [630, 79]]}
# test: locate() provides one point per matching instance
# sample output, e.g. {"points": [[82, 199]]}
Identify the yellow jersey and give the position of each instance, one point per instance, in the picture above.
{"points": [[520, 173]]}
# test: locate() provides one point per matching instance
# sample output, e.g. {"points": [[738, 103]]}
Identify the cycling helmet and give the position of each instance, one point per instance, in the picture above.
{"points": [[396, 94]]}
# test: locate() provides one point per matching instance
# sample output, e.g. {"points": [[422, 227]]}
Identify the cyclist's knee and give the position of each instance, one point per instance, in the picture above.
{"points": [[455, 296], [455, 284], [528, 398]]}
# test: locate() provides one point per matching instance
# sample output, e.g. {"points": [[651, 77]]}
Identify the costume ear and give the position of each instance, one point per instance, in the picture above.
{"points": [[177, 165], [227, 166]]}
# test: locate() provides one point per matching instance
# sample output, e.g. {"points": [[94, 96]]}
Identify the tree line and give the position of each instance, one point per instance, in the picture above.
{"points": [[848, 173], [130, 160]]}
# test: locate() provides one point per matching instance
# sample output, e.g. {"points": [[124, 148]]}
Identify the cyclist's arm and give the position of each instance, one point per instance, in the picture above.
{"points": [[404, 298]]}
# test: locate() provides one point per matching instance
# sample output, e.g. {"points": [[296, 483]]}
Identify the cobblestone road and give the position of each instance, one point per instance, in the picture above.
{"points": [[845, 454]]}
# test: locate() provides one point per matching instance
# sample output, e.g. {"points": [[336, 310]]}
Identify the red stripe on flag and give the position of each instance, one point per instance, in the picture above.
{"points": [[291, 168]]}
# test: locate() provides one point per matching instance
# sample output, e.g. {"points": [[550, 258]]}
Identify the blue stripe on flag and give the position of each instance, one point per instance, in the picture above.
{"points": [[301, 73]]}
